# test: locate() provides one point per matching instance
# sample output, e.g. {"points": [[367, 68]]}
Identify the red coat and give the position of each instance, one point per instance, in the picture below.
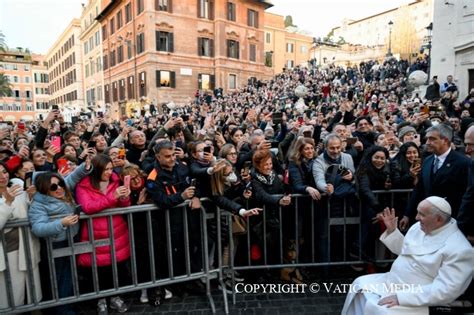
{"points": [[93, 201], [326, 89]]}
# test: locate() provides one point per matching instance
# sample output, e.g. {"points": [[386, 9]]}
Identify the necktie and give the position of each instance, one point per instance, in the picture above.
{"points": [[435, 165]]}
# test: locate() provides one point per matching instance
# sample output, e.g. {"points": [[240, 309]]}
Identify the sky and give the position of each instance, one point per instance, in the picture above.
{"points": [[36, 24]]}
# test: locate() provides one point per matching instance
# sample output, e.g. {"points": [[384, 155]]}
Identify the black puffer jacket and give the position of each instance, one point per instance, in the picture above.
{"points": [[374, 179], [265, 189]]}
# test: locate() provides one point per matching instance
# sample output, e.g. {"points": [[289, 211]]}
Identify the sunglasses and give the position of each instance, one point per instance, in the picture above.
{"points": [[55, 187]]}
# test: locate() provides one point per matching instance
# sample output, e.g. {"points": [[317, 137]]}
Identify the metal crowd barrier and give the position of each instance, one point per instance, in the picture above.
{"points": [[75, 248], [345, 223], [345, 219]]}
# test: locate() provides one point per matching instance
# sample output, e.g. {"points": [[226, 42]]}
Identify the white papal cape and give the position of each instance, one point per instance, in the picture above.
{"points": [[431, 269]]}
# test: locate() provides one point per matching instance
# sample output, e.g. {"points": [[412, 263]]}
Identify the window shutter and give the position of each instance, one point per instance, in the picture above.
{"points": [[248, 17], [170, 6], [238, 50], [158, 78], [199, 81], [199, 8], [256, 19], [199, 46], [171, 42], [211, 10], [213, 81], [173, 79], [211, 47], [228, 48], [157, 36]]}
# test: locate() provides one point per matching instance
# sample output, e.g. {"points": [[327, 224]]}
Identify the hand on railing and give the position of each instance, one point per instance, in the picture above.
{"points": [[195, 203], [329, 189], [314, 193], [251, 212], [285, 201]]}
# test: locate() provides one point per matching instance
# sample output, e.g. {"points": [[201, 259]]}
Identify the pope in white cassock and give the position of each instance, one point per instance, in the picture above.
{"points": [[434, 266]]}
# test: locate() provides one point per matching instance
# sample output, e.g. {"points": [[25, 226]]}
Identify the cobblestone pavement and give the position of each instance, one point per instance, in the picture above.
{"points": [[307, 303]]}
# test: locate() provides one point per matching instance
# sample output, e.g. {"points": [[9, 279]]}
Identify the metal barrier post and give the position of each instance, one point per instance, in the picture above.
{"points": [[8, 276]]}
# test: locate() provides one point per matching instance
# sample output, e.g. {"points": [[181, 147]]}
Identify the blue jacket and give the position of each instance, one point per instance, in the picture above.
{"points": [[41, 209], [43, 206], [301, 177]]}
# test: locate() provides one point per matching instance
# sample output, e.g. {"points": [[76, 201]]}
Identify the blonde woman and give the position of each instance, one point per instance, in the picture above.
{"points": [[223, 187]]}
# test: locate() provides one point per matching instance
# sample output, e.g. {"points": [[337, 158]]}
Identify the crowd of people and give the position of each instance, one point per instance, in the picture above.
{"points": [[354, 131]]}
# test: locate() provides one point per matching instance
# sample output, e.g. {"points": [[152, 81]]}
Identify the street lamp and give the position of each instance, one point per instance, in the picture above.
{"points": [[389, 53], [429, 28]]}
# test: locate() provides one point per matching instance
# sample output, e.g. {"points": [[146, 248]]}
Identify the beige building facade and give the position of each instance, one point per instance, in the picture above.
{"points": [[284, 48], [453, 44], [408, 29], [40, 86], [64, 60], [91, 47], [28, 80], [345, 55], [162, 51]]}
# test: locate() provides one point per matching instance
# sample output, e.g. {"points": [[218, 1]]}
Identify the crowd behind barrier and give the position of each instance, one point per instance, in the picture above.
{"points": [[301, 166], [86, 284], [153, 258]]}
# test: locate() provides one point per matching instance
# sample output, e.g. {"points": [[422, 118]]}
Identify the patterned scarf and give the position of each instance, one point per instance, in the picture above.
{"points": [[267, 180]]}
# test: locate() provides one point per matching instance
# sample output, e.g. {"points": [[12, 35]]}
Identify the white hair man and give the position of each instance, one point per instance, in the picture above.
{"points": [[434, 265]]}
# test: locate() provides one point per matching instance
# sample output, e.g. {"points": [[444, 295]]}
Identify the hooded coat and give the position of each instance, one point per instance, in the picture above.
{"points": [[94, 201]]}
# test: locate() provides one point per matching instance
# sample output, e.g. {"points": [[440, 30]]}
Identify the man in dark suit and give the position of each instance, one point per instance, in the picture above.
{"points": [[444, 173], [466, 217]]}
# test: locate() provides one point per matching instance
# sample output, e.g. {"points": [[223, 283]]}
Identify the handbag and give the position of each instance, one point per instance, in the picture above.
{"points": [[342, 188], [239, 225]]}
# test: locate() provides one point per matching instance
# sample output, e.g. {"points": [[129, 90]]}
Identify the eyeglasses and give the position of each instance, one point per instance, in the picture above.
{"points": [[233, 153], [55, 187]]}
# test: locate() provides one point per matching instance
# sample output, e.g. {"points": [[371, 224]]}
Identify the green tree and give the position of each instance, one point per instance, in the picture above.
{"points": [[3, 45], [5, 86], [341, 41], [289, 21], [405, 39]]}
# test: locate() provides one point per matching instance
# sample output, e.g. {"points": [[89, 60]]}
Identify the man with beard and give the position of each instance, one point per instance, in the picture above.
{"points": [[444, 173]]}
